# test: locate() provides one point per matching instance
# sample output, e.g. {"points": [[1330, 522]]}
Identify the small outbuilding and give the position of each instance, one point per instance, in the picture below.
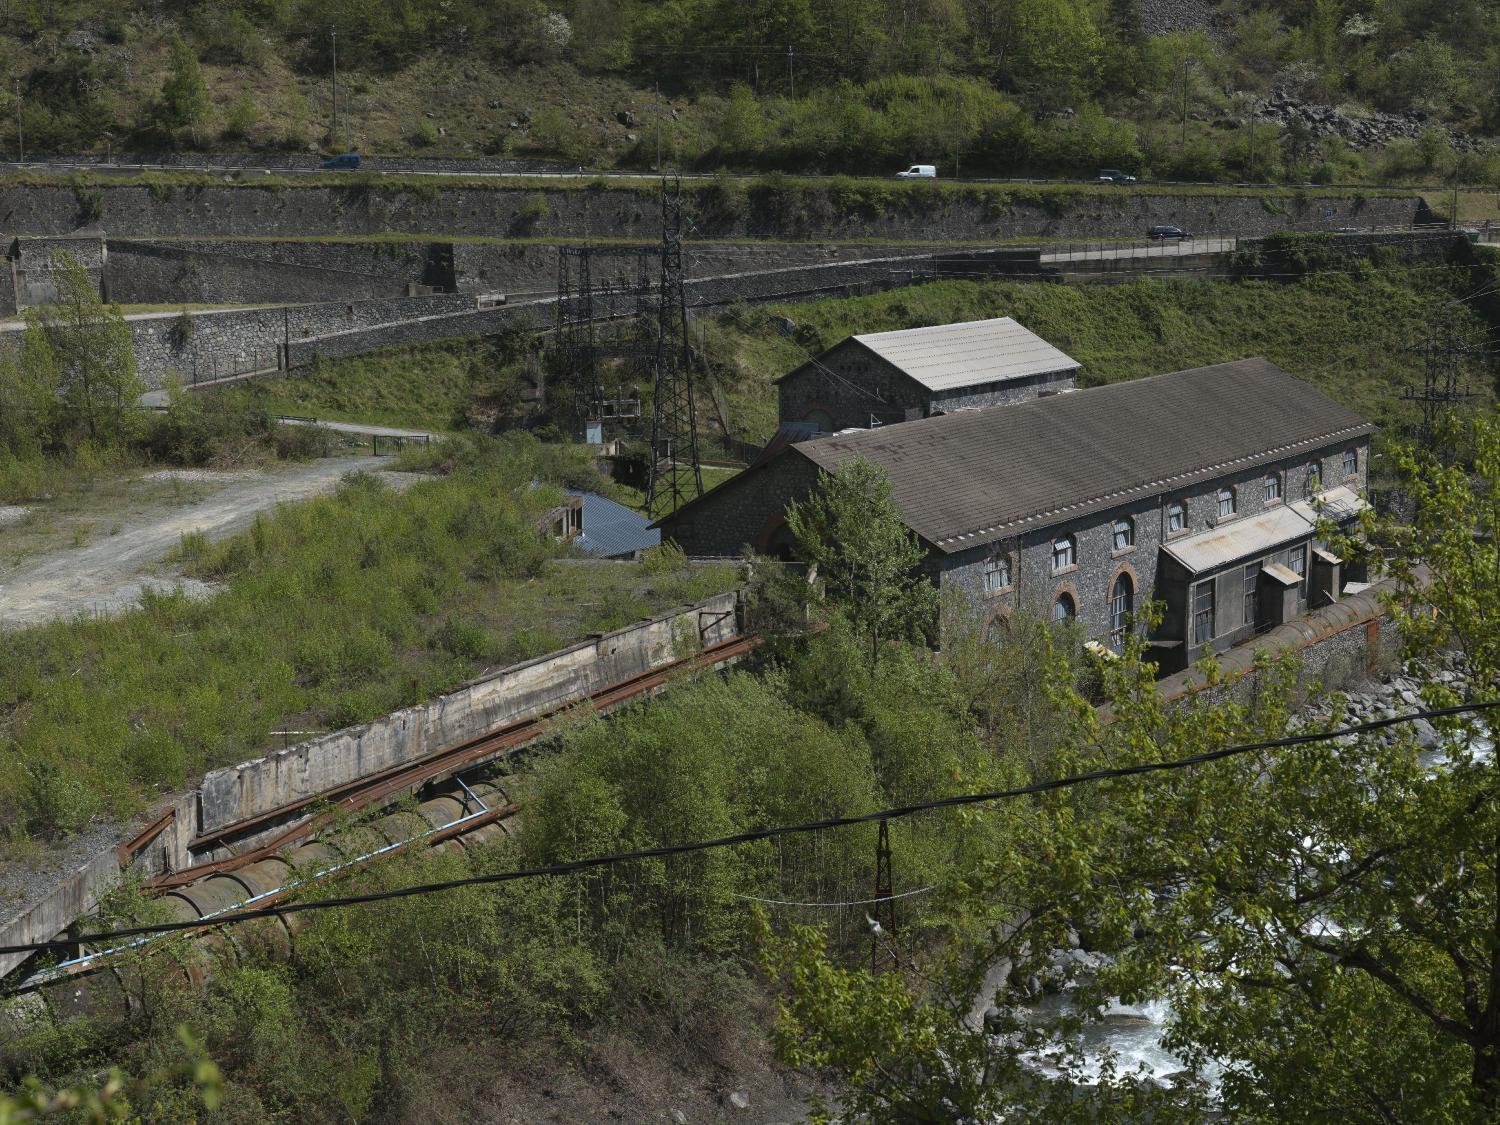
{"points": [[881, 378]]}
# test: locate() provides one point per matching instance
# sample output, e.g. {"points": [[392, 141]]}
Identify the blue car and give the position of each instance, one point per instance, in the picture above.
{"points": [[349, 160]]}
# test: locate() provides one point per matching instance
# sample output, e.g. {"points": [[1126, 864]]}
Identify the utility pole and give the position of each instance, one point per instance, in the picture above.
{"points": [[791, 71], [883, 916], [20, 136], [658, 126], [1184, 101], [333, 39], [1250, 173]]}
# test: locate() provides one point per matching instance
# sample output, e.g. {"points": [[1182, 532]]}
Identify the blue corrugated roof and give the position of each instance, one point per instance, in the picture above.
{"points": [[611, 530]]}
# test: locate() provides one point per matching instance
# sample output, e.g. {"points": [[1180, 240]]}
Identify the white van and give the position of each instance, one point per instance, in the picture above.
{"points": [[918, 172]]}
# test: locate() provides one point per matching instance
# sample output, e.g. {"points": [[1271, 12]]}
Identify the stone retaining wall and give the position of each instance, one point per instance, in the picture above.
{"points": [[759, 210]]}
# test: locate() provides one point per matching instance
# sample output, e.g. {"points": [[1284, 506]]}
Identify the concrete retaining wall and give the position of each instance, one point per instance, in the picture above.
{"points": [[497, 699]]}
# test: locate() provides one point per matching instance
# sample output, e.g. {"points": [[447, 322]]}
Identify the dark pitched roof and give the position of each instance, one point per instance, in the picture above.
{"points": [[973, 477]]}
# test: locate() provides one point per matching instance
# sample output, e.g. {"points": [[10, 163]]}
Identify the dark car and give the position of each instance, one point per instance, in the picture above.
{"points": [[1169, 232], [1114, 176], [347, 160]]}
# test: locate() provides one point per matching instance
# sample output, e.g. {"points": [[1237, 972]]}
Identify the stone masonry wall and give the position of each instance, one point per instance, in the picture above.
{"points": [[262, 272], [1036, 586], [805, 211]]}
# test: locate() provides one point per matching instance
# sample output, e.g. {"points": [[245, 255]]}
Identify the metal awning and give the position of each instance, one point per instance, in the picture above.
{"points": [[1259, 535], [1283, 574]]}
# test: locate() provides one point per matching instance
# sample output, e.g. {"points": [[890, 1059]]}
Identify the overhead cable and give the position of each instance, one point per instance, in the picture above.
{"points": [[667, 850]]}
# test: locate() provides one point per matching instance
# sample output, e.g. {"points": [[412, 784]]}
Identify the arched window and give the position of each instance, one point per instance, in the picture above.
{"points": [[1064, 553], [1273, 486], [1226, 503], [1121, 602], [1351, 462], [1124, 533], [1064, 608]]}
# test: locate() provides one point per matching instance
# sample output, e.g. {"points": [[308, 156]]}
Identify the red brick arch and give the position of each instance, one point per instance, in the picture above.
{"points": [[1072, 592]]}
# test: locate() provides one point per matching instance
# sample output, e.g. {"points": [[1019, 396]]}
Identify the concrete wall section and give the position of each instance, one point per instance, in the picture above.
{"points": [[512, 694], [264, 784]]}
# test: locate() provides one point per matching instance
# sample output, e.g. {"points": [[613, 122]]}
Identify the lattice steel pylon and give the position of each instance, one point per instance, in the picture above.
{"points": [[676, 475], [598, 285], [1444, 383]]}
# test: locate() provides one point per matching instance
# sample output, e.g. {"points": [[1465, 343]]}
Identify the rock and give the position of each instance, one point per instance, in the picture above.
{"points": [[442, 132], [625, 118], [493, 103], [429, 115], [678, 1117], [631, 137], [1426, 735], [785, 325], [993, 1019], [739, 1099]]}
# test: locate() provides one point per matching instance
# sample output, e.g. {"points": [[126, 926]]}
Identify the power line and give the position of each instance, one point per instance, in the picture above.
{"points": [[666, 850]]}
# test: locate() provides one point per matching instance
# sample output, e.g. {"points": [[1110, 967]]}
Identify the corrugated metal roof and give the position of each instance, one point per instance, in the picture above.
{"points": [[611, 530], [1243, 538], [948, 356], [969, 478]]}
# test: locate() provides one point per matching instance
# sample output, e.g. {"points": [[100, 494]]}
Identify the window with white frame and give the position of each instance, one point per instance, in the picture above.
{"points": [[1121, 602], [1225, 500], [1176, 516], [1351, 462], [1124, 533], [997, 574], [1064, 553], [1273, 486]]}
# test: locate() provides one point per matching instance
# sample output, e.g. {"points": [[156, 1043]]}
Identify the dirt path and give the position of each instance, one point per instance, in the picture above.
{"points": [[109, 573]]}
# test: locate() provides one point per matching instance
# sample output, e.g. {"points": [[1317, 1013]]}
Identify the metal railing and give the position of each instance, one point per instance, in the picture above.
{"points": [[216, 368]]}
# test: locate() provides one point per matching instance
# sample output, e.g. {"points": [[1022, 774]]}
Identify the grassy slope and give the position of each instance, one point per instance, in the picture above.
{"points": [[332, 612], [1347, 334], [425, 386]]}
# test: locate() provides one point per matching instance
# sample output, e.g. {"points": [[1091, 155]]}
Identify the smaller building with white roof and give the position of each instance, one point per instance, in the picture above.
{"points": [[881, 378]]}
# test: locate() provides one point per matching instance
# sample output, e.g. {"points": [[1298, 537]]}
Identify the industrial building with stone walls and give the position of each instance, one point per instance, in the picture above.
{"points": [[1201, 489], [886, 377]]}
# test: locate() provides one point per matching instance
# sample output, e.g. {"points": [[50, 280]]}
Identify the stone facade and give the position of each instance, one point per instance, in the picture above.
{"points": [[749, 510]]}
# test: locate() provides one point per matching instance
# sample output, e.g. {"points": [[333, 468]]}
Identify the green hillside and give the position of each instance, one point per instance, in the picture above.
{"points": [[978, 86], [1350, 334]]}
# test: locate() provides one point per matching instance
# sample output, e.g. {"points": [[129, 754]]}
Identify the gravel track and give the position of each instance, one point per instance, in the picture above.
{"points": [[109, 573]]}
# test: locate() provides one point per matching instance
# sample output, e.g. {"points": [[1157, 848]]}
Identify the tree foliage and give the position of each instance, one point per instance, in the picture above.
{"points": [[1322, 919], [76, 371], [851, 530]]}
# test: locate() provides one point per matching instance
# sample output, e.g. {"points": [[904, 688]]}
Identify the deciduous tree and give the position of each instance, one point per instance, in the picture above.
{"points": [[852, 531]]}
